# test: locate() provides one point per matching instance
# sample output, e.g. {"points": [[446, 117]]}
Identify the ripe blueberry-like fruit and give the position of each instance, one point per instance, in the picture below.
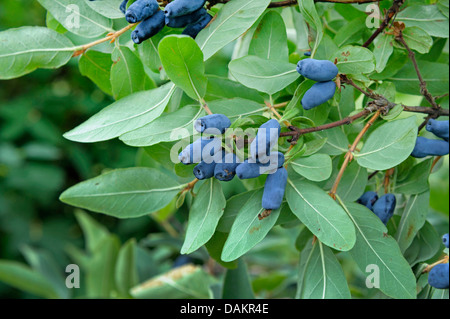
{"points": [[438, 128], [203, 149], [148, 28], [445, 240], [182, 21], [181, 261], [368, 199], [318, 94], [182, 7], [194, 29], [428, 147], [226, 170], [307, 53], [123, 6], [251, 169], [274, 189], [140, 10], [384, 207], [204, 170], [265, 140], [317, 70], [212, 124], [438, 276]]}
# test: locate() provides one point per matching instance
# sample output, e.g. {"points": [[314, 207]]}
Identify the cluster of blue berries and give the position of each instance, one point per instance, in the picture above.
{"points": [[188, 14], [214, 161], [383, 207], [438, 275], [431, 147], [323, 72]]}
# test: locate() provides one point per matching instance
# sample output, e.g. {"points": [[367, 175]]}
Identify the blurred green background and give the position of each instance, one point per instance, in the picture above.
{"points": [[37, 164]]}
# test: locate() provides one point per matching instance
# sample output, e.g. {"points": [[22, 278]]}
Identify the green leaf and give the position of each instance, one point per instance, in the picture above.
{"points": [[169, 127], [215, 248], [247, 229], [97, 67], [309, 12], [316, 167], [186, 282], [336, 143], [417, 180], [101, 267], [417, 40], [93, 231], [124, 193], [353, 182], [22, 277], [427, 17], [234, 205], [236, 283], [383, 50], [320, 274], [125, 115], [389, 145], [78, 18], [436, 75], [236, 108], [182, 60], [270, 39], [351, 32], [127, 73], [354, 60], [413, 218], [204, 215], [38, 48], [443, 6], [374, 247], [321, 214], [263, 75], [425, 245], [222, 88], [233, 19], [107, 8], [126, 275]]}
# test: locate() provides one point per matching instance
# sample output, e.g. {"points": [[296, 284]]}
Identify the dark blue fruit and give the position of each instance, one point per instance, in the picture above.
{"points": [[317, 70], [274, 189], [250, 169], [384, 207], [226, 170], [141, 10], [438, 128], [368, 199], [428, 147], [148, 28], [182, 21], [204, 170], [212, 124], [194, 29], [307, 53], [445, 240], [265, 140], [438, 276], [181, 261], [318, 94], [182, 7], [203, 149], [123, 6]]}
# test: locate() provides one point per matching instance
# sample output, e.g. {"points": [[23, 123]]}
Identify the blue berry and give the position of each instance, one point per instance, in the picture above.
{"points": [[368, 199], [194, 29], [212, 124], [428, 147], [318, 94], [123, 6], [307, 53], [182, 7], [226, 170], [181, 261], [438, 128], [445, 240], [206, 170], [251, 169], [265, 140], [141, 10], [384, 207], [438, 276], [183, 21], [274, 189], [148, 28], [203, 149], [317, 70]]}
